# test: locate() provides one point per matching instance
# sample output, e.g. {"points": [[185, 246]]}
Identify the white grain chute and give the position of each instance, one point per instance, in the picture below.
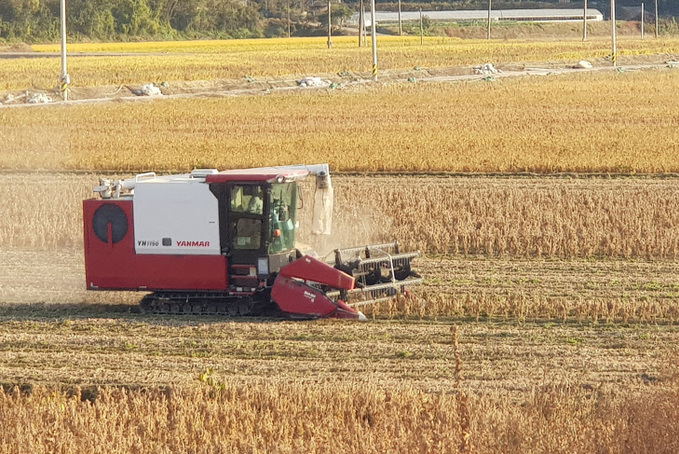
{"points": [[323, 205]]}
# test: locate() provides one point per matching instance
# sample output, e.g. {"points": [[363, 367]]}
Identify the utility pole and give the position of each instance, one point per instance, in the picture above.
{"points": [[365, 27], [656, 18], [584, 22], [329, 25], [614, 55], [400, 25], [288, 18], [421, 29], [64, 80], [642, 20], [490, 7], [361, 25], [374, 37]]}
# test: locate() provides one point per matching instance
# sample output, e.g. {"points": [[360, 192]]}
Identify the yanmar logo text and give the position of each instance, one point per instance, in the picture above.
{"points": [[182, 243]]}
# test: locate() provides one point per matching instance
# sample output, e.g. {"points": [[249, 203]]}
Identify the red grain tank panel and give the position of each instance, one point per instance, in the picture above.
{"points": [[111, 262]]}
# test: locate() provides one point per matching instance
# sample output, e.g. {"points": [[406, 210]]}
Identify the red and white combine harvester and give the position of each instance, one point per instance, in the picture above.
{"points": [[214, 242]]}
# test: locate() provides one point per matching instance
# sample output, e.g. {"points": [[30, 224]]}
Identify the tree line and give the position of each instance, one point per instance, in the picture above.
{"points": [[107, 20], [39, 20]]}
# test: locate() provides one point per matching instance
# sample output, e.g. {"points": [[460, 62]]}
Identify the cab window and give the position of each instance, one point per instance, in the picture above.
{"points": [[283, 215], [248, 234], [247, 199]]}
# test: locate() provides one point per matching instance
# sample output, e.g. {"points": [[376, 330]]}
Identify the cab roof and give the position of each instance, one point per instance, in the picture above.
{"points": [[261, 174]]}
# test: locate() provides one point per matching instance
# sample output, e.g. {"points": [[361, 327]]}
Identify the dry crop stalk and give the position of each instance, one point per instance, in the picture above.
{"points": [[462, 398]]}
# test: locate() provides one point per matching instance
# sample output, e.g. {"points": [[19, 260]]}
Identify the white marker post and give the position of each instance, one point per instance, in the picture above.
{"points": [[361, 24], [374, 37], [329, 25], [642, 20], [614, 55], [584, 22], [490, 8], [364, 30], [400, 24], [64, 80]]}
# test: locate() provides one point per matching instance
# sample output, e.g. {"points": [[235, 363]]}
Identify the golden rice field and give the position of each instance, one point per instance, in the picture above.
{"points": [[298, 57], [554, 355], [390, 384], [591, 122], [284, 417], [548, 318], [96, 378], [84, 377]]}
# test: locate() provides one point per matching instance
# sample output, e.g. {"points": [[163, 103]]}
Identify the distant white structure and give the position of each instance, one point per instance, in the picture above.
{"points": [[516, 15]]}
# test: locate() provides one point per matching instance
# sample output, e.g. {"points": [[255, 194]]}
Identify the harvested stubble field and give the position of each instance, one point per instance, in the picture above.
{"points": [[593, 122], [516, 247], [329, 386], [298, 57], [572, 351]]}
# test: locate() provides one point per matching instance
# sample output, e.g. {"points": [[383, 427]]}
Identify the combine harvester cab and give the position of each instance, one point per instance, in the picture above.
{"points": [[214, 242]]}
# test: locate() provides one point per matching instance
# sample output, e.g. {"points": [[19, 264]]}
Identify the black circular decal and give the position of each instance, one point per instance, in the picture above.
{"points": [[107, 214]]}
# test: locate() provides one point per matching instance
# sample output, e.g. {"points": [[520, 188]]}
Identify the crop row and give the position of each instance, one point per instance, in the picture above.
{"points": [[193, 61], [603, 122], [336, 417], [506, 217]]}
